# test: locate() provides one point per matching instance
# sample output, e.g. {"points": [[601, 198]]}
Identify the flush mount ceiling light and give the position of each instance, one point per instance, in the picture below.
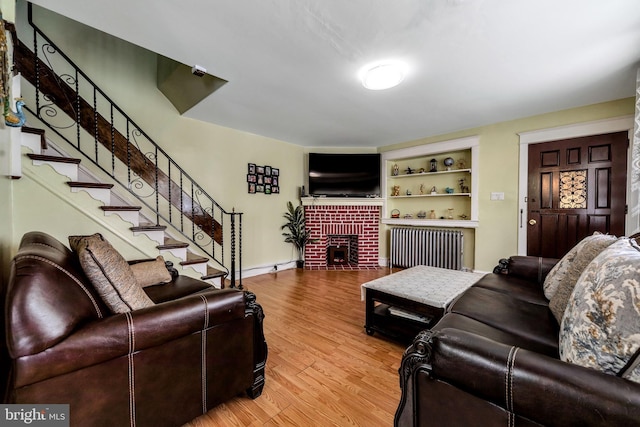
{"points": [[383, 75]]}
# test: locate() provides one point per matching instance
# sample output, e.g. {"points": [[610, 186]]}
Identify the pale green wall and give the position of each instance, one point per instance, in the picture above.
{"points": [[496, 236]]}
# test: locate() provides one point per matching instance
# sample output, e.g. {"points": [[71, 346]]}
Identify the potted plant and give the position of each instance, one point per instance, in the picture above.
{"points": [[297, 232]]}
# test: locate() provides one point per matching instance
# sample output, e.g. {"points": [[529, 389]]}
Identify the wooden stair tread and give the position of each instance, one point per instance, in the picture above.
{"points": [[213, 273], [81, 184], [120, 208], [35, 131], [172, 244], [58, 159], [193, 259], [148, 227]]}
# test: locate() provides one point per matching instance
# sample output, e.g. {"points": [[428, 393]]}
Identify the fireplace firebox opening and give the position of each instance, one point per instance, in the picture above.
{"points": [[338, 255]]}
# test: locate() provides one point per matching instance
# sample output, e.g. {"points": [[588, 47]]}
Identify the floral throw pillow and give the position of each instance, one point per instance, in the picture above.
{"points": [[601, 326], [560, 281]]}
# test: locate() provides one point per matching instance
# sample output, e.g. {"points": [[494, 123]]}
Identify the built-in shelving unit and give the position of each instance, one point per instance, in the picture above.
{"points": [[451, 191]]}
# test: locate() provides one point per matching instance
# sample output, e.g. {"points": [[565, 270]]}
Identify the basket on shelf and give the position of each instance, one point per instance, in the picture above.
{"points": [[395, 213]]}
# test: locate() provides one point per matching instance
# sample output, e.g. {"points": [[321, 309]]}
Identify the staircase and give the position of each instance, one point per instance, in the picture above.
{"points": [[84, 125], [40, 152]]}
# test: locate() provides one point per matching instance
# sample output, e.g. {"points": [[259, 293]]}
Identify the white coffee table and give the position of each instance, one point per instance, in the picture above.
{"points": [[404, 303]]}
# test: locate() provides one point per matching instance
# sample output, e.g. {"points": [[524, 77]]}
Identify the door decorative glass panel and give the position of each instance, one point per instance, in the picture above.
{"points": [[573, 190]]}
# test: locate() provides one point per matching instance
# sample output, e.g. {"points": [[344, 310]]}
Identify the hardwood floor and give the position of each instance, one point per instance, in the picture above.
{"points": [[322, 368]]}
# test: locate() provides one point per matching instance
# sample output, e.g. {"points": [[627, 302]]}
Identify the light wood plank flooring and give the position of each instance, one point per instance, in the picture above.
{"points": [[322, 369]]}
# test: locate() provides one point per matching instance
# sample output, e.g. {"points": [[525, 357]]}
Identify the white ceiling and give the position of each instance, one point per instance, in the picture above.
{"points": [[292, 64]]}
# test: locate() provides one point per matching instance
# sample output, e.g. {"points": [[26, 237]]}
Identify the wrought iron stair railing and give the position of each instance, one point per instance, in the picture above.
{"points": [[77, 110]]}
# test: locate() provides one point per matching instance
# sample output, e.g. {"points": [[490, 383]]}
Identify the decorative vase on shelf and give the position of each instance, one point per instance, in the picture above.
{"points": [[450, 213], [432, 214]]}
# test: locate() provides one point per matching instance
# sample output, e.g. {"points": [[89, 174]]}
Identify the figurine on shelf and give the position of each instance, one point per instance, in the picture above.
{"points": [[422, 170], [422, 214], [395, 170], [463, 187], [450, 213], [421, 188], [432, 214], [463, 216], [448, 162], [396, 190], [448, 190], [409, 171], [434, 190], [408, 192], [462, 164], [434, 165]]}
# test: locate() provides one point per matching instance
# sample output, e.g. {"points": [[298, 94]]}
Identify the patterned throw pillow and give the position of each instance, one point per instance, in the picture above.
{"points": [[148, 273], [563, 276], [601, 326], [109, 273]]}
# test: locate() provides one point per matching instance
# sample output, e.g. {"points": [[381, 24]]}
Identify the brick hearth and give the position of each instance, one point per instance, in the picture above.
{"points": [[327, 220]]}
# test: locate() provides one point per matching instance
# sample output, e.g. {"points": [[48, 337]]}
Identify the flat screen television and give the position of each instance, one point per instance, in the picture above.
{"points": [[344, 175]]}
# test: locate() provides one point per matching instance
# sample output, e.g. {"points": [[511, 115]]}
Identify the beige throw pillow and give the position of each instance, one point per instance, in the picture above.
{"points": [[562, 278], [109, 273], [148, 273]]}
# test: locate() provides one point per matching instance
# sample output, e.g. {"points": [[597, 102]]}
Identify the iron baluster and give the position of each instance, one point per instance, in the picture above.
{"points": [[113, 146], [95, 119], [157, 195], [233, 247]]}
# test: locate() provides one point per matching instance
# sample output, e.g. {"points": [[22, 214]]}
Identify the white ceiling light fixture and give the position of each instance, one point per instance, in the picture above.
{"points": [[383, 75]]}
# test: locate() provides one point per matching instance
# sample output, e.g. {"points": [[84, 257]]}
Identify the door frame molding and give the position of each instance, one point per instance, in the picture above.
{"points": [[616, 124]]}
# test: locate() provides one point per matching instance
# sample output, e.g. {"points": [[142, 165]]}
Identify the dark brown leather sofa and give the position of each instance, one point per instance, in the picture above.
{"points": [[159, 366], [493, 360]]}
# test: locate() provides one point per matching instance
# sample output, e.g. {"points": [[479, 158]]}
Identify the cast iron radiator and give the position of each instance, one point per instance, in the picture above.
{"points": [[426, 246]]}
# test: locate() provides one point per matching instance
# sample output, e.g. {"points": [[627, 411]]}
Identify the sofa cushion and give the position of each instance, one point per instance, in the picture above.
{"points": [[533, 322], [464, 323], [109, 273], [601, 326], [148, 273], [515, 287], [563, 276]]}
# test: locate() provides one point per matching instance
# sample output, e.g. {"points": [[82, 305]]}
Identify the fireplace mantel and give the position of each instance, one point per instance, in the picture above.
{"points": [[342, 201]]}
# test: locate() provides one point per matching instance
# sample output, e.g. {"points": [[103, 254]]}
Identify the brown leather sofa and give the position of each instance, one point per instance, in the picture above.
{"points": [[159, 366], [493, 360]]}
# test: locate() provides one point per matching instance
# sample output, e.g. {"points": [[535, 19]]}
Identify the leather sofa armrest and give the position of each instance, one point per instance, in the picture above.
{"points": [[530, 268], [127, 333], [527, 384]]}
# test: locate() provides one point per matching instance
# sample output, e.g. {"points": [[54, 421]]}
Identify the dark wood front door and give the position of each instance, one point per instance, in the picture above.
{"points": [[576, 187]]}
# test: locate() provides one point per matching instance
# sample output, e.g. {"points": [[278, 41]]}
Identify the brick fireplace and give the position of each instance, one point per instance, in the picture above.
{"points": [[347, 231]]}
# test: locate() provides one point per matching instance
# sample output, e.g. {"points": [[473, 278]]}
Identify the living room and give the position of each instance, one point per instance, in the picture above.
{"points": [[209, 152]]}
